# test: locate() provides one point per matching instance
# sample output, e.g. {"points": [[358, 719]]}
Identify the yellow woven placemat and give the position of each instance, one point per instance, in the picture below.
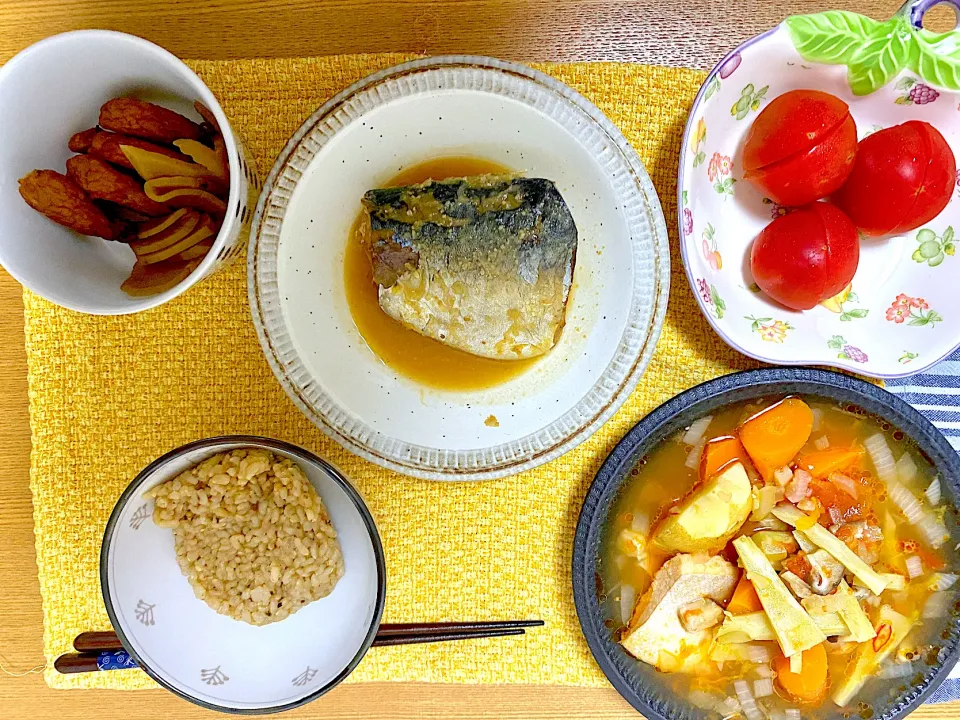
{"points": [[108, 395]]}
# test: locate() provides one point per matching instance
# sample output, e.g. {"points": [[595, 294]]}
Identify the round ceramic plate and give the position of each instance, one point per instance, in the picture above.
{"points": [[902, 313], [457, 106], [216, 661]]}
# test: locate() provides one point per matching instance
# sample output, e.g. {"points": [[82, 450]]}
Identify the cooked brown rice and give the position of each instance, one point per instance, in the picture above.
{"points": [[252, 536]]}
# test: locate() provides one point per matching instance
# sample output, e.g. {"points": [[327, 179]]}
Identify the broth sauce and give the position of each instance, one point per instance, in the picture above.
{"points": [[409, 353]]}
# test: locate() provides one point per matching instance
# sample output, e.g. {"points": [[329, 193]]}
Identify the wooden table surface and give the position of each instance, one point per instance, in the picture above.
{"points": [[694, 34]]}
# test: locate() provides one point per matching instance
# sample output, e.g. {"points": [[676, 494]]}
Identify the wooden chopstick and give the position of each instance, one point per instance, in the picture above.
{"points": [[93, 642], [415, 639], [91, 646], [391, 629], [76, 663]]}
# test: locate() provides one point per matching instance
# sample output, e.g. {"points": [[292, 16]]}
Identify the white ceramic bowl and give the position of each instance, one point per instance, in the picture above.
{"points": [[50, 91], [213, 660], [904, 311], [457, 106]]}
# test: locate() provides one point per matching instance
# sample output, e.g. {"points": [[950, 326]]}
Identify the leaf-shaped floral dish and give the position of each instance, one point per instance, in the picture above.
{"points": [[902, 311]]}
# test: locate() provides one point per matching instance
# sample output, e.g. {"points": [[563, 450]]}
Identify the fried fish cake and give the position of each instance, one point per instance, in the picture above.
{"points": [[130, 116], [80, 142], [103, 182], [106, 146], [63, 201]]}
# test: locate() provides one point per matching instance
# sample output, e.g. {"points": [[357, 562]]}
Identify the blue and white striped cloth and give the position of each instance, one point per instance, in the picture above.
{"points": [[936, 393]]}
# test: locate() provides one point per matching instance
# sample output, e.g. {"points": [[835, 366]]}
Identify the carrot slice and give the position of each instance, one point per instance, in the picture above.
{"points": [[744, 599], [821, 463], [773, 437], [810, 684], [718, 453]]}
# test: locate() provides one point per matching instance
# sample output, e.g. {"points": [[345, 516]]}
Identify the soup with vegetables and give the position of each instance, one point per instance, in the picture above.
{"points": [[781, 558]]}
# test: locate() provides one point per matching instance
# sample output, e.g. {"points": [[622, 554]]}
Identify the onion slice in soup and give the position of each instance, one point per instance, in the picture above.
{"points": [[906, 502], [906, 468], [882, 458], [937, 605], [697, 430], [942, 581], [914, 567], [693, 457], [747, 703], [628, 596]]}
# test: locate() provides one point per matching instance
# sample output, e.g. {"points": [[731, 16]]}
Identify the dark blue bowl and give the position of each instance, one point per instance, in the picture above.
{"points": [[643, 686]]}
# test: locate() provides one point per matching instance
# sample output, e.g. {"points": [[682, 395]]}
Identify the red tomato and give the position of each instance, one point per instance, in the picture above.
{"points": [[801, 147], [903, 178], [806, 256]]}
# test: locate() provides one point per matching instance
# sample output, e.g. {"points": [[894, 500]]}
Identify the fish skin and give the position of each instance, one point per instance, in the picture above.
{"points": [[483, 264]]}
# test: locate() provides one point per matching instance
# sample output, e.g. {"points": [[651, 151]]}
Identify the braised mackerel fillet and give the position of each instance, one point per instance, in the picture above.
{"points": [[483, 264]]}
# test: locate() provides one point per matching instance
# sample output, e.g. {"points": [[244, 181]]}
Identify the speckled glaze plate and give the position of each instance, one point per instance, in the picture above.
{"points": [[644, 687], [402, 116], [902, 311]]}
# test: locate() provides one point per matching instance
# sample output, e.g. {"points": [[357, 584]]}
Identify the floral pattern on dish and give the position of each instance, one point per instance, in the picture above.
{"points": [[749, 100], [305, 677], [934, 248], [776, 209], [140, 516], [687, 217], [699, 139], [214, 676], [726, 69], [914, 311], [703, 288], [770, 330], [719, 170], [713, 87], [709, 246], [847, 351], [730, 65], [710, 296], [837, 302], [144, 613], [914, 92]]}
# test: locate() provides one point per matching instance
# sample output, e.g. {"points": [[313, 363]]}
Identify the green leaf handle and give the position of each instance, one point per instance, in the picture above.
{"points": [[832, 37], [875, 52], [884, 54]]}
